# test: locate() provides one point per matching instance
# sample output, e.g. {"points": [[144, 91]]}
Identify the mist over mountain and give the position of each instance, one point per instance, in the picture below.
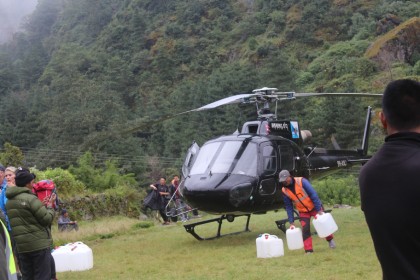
{"points": [[12, 14]]}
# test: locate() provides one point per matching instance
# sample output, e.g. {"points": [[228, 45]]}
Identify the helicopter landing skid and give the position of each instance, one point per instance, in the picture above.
{"points": [[190, 228]]}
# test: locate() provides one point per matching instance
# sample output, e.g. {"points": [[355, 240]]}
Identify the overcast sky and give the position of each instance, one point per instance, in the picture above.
{"points": [[11, 14]]}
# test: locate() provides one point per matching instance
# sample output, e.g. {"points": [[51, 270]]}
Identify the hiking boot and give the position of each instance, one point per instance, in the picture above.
{"points": [[309, 253], [331, 243]]}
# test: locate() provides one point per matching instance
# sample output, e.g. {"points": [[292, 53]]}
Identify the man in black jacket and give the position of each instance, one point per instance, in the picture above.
{"points": [[163, 191], [390, 184]]}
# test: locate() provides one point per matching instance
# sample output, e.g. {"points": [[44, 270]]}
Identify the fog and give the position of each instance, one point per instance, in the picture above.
{"points": [[12, 14]]}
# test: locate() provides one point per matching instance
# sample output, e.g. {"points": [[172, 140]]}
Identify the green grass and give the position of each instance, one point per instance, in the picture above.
{"points": [[168, 252]]}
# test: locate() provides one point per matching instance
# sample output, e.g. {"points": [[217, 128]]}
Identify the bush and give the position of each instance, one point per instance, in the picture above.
{"points": [[335, 190], [11, 155], [416, 68], [97, 178]]}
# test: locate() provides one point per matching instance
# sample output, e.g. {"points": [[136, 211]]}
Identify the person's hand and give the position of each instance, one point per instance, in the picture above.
{"points": [[320, 212], [45, 200], [48, 201], [292, 225]]}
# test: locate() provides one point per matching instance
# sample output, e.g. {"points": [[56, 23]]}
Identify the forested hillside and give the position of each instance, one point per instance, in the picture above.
{"points": [[85, 71]]}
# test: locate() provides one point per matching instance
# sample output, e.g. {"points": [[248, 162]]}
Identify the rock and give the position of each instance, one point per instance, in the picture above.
{"points": [[397, 45]]}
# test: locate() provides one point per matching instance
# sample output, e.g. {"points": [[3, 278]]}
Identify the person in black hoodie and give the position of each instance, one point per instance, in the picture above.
{"points": [[390, 184], [163, 191]]}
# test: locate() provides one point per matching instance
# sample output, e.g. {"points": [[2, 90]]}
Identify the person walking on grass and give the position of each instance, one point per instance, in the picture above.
{"points": [[163, 192], [299, 192], [390, 186]]}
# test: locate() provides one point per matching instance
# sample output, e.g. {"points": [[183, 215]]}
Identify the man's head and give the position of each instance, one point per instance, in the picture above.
{"points": [[176, 178], [64, 213], [162, 181], [401, 106], [24, 177], [285, 178]]}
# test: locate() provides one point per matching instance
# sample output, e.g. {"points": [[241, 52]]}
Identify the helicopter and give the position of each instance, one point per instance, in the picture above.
{"points": [[237, 175]]}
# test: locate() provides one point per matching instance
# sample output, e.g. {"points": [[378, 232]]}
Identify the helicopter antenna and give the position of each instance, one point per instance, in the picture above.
{"points": [[239, 119], [275, 112]]}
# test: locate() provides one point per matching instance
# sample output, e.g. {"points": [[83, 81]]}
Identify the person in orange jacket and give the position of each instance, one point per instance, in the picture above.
{"points": [[299, 192]]}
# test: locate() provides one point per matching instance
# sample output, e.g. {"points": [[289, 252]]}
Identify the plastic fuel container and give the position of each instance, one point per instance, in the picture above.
{"points": [[324, 225], [73, 257], [294, 238], [269, 246]]}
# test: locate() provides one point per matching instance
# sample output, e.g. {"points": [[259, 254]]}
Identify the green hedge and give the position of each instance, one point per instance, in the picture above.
{"points": [[338, 190]]}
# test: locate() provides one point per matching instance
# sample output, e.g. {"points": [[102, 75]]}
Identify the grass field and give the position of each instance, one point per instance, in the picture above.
{"points": [[122, 249]]}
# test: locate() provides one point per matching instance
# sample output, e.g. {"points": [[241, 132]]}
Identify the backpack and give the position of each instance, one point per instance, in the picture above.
{"points": [[45, 188]]}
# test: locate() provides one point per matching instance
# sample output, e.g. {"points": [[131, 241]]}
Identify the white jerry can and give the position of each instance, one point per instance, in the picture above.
{"points": [[294, 238], [324, 224], [269, 246], [73, 257]]}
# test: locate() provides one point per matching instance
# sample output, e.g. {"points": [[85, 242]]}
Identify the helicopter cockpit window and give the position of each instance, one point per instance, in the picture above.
{"points": [[269, 158], [247, 163], [222, 157], [204, 158]]}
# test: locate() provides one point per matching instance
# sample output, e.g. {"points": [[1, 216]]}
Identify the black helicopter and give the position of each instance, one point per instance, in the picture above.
{"points": [[237, 175]]}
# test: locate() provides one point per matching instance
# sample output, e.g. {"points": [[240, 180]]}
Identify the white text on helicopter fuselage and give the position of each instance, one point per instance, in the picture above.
{"points": [[341, 163], [281, 126]]}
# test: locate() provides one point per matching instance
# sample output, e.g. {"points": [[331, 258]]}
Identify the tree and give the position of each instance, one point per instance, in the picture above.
{"points": [[11, 156]]}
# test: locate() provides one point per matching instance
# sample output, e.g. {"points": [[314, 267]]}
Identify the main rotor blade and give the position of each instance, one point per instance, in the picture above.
{"points": [[240, 98], [309, 94]]}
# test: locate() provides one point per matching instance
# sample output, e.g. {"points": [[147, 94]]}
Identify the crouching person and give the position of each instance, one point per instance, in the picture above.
{"points": [[31, 222], [64, 222]]}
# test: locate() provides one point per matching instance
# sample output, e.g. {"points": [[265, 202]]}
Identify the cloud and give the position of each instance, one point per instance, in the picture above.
{"points": [[11, 14]]}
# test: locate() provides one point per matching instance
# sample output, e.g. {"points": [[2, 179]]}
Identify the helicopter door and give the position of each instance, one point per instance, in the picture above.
{"points": [[287, 158], [189, 159], [268, 183]]}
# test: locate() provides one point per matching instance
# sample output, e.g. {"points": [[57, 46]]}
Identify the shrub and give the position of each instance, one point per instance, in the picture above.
{"points": [[336, 190], [97, 178], [11, 155]]}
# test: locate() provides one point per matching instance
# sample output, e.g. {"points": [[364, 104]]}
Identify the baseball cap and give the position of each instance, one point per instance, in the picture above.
{"points": [[284, 174]]}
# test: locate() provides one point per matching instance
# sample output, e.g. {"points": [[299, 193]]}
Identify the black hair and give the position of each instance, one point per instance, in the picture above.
{"points": [[401, 104]]}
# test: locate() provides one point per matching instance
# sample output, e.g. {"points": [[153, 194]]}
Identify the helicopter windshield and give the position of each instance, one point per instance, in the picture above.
{"points": [[218, 157]]}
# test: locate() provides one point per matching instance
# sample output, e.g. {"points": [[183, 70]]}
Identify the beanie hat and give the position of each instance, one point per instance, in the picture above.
{"points": [[2, 167], [23, 177]]}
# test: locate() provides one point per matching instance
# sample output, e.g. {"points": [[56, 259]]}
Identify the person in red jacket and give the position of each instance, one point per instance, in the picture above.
{"points": [[299, 192]]}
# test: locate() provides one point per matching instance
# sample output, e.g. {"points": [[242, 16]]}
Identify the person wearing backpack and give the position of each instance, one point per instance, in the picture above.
{"points": [[30, 221]]}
